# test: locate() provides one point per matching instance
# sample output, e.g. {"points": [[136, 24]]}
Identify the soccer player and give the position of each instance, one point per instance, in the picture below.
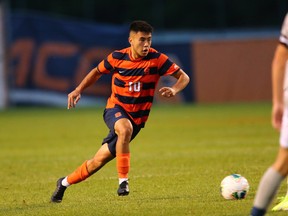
{"points": [[274, 175], [135, 73]]}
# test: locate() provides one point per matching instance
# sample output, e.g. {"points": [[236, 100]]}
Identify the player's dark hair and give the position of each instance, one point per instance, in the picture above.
{"points": [[142, 26]]}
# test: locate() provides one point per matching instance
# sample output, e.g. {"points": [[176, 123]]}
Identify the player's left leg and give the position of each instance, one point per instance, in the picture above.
{"points": [[272, 177], [124, 129], [281, 163], [282, 167]]}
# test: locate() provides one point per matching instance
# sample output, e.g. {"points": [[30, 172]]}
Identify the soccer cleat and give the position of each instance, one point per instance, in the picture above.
{"points": [[123, 189], [282, 206], [57, 196], [257, 212]]}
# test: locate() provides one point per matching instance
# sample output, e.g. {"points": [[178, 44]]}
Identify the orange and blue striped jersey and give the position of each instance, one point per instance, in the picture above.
{"points": [[134, 81]]}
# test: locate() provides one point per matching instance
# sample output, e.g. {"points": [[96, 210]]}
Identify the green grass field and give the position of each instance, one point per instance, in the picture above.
{"points": [[177, 164]]}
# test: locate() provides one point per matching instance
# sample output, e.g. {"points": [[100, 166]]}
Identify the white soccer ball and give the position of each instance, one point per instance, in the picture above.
{"points": [[234, 187]]}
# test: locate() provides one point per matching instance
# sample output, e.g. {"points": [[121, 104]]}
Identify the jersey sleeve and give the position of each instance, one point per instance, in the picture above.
{"points": [[106, 65], [284, 32], [166, 66]]}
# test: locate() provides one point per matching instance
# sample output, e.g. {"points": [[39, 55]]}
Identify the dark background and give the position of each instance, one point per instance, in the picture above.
{"points": [[166, 14]]}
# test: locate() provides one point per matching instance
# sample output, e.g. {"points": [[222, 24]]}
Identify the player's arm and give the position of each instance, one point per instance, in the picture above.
{"points": [[278, 73], [182, 81], [75, 95]]}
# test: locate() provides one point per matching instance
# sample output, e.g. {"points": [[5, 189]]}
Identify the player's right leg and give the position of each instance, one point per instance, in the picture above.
{"points": [[272, 177], [282, 164], [283, 169], [85, 170]]}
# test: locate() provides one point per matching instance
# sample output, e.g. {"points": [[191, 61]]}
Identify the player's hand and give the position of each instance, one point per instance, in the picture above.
{"points": [[73, 98], [167, 92], [277, 114]]}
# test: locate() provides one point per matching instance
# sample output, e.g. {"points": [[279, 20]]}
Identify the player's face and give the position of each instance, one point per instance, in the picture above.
{"points": [[140, 43]]}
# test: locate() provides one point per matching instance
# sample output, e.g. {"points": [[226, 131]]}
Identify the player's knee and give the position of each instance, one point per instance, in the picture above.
{"points": [[281, 162], [281, 168], [124, 128], [125, 131]]}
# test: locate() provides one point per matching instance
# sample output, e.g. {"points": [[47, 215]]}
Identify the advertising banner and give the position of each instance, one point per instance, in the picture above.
{"points": [[49, 57]]}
